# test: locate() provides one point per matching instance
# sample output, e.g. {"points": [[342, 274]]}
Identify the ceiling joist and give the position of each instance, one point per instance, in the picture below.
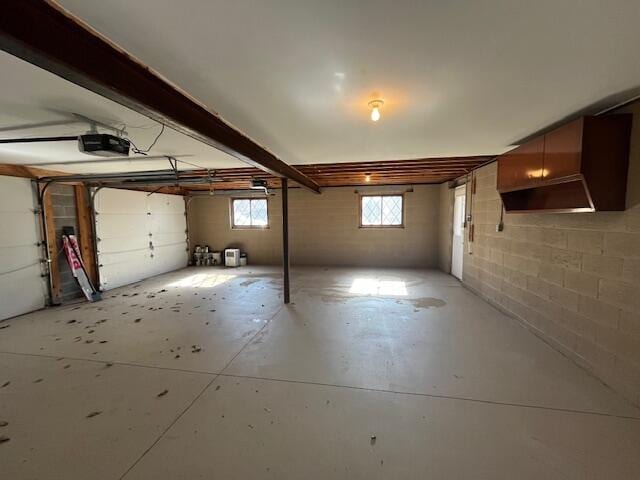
{"points": [[43, 34], [394, 172]]}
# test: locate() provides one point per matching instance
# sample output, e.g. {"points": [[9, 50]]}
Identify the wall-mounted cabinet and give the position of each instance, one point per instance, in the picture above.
{"points": [[579, 167]]}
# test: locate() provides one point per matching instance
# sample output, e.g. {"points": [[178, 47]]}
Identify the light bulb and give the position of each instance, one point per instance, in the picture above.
{"points": [[375, 109], [375, 114], [367, 177]]}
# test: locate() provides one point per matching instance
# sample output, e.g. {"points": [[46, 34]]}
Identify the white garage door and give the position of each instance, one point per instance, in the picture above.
{"points": [[22, 288], [139, 235]]}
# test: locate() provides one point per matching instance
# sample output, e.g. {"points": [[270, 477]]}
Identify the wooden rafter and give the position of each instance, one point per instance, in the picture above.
{"points": [[395, 172]]}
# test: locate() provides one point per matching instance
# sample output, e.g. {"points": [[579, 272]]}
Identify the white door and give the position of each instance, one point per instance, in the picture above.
{"points": [[22, 287], [457, 250]]}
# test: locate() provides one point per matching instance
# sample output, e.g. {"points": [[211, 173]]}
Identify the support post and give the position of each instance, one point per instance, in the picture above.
{"points": [[285, 238]]}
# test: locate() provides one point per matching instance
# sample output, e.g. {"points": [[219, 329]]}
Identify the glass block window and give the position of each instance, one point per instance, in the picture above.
{"points": [[250, 212], [381, 211]]}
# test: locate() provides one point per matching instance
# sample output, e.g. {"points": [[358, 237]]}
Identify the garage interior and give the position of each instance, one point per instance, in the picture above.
{"points": [[303, 239]]}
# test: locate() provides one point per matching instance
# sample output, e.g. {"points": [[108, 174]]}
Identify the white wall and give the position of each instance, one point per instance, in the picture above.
{"points": [[22, 288], [139, 235]]}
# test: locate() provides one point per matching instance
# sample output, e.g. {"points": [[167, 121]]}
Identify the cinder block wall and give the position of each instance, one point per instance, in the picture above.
{"points": [[65, 215], [324, 229], [574, 278]]}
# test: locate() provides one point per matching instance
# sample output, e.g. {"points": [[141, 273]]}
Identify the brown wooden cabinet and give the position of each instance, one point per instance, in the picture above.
{"points": [[522, 164], [578, 167], [563, 151]]}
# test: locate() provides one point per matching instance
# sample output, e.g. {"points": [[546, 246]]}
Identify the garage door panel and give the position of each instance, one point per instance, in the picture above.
{"points": [[22, 287], [167, 223], [22, 291], [136, 258], [121, 226], [163, 204], [17, 257], [133, 220], [121, 202], [168, 239], [18, 228], [20, 191], [117, 269], [170, 253], [171, 257], [116, 245]]}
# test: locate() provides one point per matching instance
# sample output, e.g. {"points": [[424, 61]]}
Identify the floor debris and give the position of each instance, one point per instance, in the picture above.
{"points": [[4, 439], [94, 414], [162, 393], [3, 423]]}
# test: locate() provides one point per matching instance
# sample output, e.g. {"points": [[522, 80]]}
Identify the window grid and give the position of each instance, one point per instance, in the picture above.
{"points": [[381, 211], [249, 213]]}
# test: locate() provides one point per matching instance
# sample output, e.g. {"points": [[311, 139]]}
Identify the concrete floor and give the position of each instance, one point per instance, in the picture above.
{"points": [[375, 374]]}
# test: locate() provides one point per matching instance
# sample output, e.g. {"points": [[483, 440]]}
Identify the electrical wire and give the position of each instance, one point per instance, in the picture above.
{"points": [[144, 152]]}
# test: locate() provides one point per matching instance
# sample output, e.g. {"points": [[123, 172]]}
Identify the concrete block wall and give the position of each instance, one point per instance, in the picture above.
{"points": [[573, 278], [65, 215], [324, 229]]}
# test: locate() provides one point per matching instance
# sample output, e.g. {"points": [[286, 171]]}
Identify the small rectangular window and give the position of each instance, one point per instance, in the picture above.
{"points": [[381, 211], [249, 213]]}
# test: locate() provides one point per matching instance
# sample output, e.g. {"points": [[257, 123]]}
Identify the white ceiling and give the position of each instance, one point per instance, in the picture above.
{"points": [[458, 77], [36, 103]]}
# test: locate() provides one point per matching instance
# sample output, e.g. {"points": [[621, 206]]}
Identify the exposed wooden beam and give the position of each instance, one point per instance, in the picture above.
{"points": [[12, 170], [43, 34], [85, 232]]}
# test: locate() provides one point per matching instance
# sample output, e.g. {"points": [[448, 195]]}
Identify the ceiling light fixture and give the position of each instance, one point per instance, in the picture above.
{"points": [[375, 109], [367, 177]]}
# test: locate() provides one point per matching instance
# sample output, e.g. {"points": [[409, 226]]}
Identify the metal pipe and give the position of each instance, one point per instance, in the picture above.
{"points": [[99, 160], [201, 176], [45, 237], [187, 202], [94, 231], [285, 239], [107, 176], [38, 139], [162, 181], [243, 192]]}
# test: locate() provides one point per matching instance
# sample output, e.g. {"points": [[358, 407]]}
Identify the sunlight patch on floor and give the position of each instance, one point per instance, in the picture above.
{"points": [[373, 286], [202, 280]]}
